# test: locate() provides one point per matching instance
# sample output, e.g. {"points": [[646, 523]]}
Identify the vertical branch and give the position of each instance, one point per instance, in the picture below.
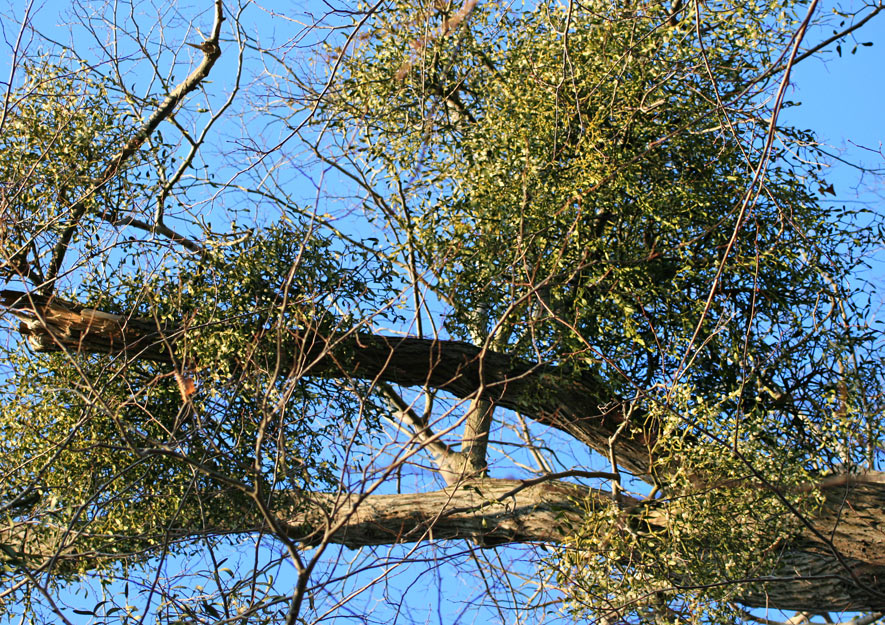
{"points": [[450, 463], [475, 440]]}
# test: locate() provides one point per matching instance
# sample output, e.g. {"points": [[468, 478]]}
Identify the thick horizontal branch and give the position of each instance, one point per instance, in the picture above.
{"points": [[493, 513], [53, 324], [487, 512], [496, 512], [575, 402]]}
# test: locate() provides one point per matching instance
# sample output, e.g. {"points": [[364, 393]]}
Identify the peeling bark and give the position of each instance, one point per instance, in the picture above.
{"points": [[575, 402]]}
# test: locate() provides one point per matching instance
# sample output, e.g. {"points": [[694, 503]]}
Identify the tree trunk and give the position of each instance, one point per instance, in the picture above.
{"points": [[837, 562]]}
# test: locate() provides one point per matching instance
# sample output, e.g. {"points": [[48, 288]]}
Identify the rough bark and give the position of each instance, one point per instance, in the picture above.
{"points": [[840, 559], [488, 512], [492, 513]]}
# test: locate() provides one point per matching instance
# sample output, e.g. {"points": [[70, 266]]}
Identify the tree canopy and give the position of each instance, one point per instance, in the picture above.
{"points": [[543, 300]]}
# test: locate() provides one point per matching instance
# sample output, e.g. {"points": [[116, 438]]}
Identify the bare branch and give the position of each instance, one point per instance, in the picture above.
{"points": [[211, 52]]}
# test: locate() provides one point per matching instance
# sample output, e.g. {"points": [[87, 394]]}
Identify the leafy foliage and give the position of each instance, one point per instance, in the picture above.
{"points": [[597, 188], [690, 548], [591, 187], [584, 198], [124, 460]]}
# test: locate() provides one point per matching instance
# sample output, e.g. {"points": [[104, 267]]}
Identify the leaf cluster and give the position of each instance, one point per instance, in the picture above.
{"points": [[713, 532], [582, 206]]}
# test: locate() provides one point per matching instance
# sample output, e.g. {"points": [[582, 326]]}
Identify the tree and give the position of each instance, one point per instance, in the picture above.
{"points": [[576, 236]]}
